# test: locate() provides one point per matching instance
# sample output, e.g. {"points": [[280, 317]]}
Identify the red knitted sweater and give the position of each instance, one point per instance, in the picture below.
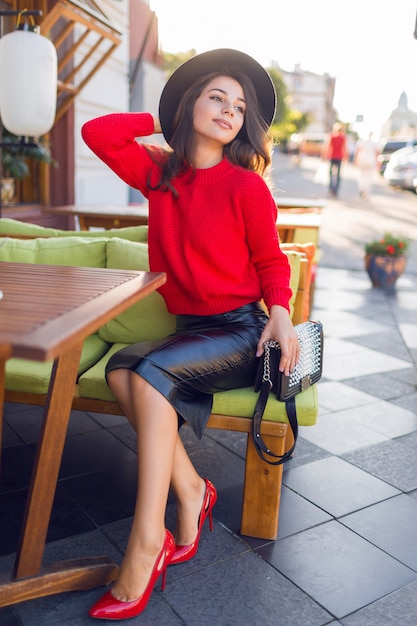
{"points": [[217, 241]]}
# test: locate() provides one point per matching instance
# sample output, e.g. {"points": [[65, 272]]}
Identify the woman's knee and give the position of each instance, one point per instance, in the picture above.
{"points": [[125, 380], [118, 379]]}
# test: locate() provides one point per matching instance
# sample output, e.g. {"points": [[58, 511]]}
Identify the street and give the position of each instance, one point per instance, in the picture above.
{"points": [[348, 221]]}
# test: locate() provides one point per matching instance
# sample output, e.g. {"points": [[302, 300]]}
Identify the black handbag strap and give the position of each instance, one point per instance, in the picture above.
{"points": [[260, 446]]}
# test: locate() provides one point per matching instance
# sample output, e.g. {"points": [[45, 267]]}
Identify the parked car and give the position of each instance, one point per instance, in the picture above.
{"points": [[401, 169], [293, 144], [389, 147], [311, 144]]}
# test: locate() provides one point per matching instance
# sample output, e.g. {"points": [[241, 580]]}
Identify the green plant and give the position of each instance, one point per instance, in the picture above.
{"points": [[388, 246], [15, 158]]}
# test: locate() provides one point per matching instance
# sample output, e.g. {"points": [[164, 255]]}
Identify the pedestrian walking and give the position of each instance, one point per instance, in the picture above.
{"points": [[366, 159], [335, 151]]}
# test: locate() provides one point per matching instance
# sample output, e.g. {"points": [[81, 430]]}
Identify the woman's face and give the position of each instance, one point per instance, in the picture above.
{"points": [[219, 111]]}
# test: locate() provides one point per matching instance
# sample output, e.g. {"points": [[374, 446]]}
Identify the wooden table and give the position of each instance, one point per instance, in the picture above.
{"points": [[111, 216], [46, 313], [289, 223], [302, 204], [104, 215], [299, 213]]}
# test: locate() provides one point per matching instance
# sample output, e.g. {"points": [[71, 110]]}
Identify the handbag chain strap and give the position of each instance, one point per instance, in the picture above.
{"points": [[267, 360], [263, 451]]}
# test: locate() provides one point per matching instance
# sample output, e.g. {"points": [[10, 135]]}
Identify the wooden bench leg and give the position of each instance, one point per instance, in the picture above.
{"points": [[262, 491]]}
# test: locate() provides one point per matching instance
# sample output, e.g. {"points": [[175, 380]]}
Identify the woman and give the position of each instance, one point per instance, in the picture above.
{"points": [[212, 229], [366, 160], [335, 152]]}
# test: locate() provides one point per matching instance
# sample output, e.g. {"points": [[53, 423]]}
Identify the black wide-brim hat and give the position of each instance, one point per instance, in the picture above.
{"points": [[206, 63]]}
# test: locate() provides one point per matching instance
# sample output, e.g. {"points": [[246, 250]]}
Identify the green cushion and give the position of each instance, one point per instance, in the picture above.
{"points": [[149, 318], [16, 227], [92, 384], [145, 320], [9, 226], [131, 233], [239, 402], [87, 252], [33, 376]]}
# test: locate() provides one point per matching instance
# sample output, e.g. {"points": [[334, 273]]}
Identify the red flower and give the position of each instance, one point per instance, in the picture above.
{"points": [[390, 249]]}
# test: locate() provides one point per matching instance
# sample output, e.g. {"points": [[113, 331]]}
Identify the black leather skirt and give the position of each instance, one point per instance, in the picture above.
{"points": [[204, 355]]}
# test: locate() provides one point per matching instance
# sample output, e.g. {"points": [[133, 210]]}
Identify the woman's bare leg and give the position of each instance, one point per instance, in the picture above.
{"points": [[189, 489], [155, 422], [187, 485]]}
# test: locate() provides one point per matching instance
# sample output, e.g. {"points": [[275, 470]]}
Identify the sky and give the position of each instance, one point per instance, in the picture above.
{"points": [[368, 46]]}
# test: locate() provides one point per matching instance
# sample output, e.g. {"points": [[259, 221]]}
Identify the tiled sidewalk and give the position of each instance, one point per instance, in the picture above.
{"points": [[347, 546]]}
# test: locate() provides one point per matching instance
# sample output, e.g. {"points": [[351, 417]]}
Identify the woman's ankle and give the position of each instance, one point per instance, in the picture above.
{"points": [[188, 513]]}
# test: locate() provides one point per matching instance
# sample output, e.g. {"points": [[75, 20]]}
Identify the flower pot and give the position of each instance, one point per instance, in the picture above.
{"points": [[384, 270], [7, 190]]}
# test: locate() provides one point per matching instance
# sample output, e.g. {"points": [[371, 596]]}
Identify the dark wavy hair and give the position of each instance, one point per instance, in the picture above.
{"points": [[251, 148]]}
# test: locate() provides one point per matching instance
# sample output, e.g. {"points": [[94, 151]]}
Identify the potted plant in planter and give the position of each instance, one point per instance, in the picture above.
{"points": [[15, 160], [385, 259]]}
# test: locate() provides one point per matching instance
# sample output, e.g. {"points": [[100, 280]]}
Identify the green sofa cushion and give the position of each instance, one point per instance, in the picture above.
{"points": [[33, 376], [81, 251], [92, 384], [149, 318], [145, 320], [16, 228], [239, 402]]}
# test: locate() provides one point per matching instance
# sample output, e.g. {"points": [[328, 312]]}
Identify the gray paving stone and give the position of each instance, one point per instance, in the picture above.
{"points": [[382, 386], [390, 525], [244, 590], [323, 562], [399, 607], [408, 375], [305, 451], [390, 342], [390, 461], [408, 402], [336, 486], [8, 617], [10, 437]]}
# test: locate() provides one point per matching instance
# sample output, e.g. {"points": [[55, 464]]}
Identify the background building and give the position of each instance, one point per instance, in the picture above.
{"points": [[108, 61], [131, 81], [313, 94], [402, 121]]}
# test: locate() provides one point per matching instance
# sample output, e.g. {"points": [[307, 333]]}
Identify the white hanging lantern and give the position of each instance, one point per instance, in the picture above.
{"points": [[28, 82]]}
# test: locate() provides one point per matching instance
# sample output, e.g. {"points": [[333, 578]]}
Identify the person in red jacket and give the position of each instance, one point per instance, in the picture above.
{"points": [[212, 229], [335, 152]]}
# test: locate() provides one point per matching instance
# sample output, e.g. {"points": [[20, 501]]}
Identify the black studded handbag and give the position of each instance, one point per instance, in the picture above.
{"points": [[268, 378]]}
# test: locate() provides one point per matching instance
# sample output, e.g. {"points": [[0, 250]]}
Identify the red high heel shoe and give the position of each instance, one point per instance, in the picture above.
{"points": [[108, 607], [185, 553]]}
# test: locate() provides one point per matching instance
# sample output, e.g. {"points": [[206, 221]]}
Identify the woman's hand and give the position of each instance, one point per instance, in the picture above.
{"points": [[157, 124], [280, 328]]}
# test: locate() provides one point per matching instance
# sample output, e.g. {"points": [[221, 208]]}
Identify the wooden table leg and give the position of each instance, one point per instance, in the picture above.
{"points": [[82, 223], [4, 355], [29, 580], [286, 235], [74, 575]]}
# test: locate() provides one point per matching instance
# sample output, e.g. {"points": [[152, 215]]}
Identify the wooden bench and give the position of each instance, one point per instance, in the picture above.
{"points": [[232, 410]]}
